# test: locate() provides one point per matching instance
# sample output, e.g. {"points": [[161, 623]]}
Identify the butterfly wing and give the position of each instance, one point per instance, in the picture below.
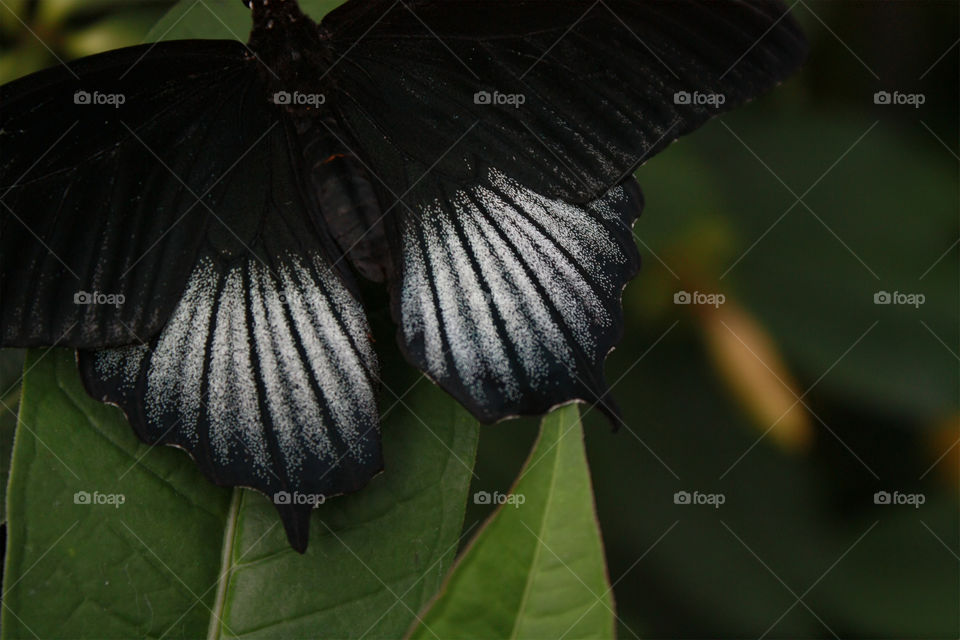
{"points": [[500, 134], [511, 299], [110, 168], [264, 372], [568, 96], [241, 339]]}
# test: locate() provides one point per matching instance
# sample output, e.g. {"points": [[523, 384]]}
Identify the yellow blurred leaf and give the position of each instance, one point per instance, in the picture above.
{"points": [[751, 365], [944, 446]]}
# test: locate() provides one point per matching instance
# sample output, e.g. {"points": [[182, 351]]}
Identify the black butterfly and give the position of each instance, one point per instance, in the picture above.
{"points": [[189, 215]]}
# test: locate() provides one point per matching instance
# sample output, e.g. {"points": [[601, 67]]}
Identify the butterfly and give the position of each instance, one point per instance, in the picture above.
{"points": [[194, 217]]}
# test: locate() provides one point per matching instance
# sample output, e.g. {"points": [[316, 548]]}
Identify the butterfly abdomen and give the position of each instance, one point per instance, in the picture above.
{"points": [[292, 57], [347, 203]]}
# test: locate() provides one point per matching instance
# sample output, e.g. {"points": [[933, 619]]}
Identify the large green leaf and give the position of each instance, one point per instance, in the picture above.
{"points": [[536, 570], [376, 556], [182, 557], [98, 570]]}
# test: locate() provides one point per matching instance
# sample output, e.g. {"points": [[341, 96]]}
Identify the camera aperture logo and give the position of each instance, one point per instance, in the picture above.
{"points": [[297, 99], [715, 100], [95, 297], [95, 98], [515, 100], [297, 498], [911, 299], [698, 297], [697, 498], [96, 498], [898, 98], [485, 497], [897, 498]]}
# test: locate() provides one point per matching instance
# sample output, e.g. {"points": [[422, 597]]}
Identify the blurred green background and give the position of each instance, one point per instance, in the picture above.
{"points": [[800, 397]]}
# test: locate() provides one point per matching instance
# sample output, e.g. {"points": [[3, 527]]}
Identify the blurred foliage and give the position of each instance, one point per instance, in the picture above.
{"points": [[37, 33], [799, 209]]}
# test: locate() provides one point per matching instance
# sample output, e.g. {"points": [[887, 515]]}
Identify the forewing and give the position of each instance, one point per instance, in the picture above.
{"points": [[502, 134], [564, 96], [110, 170], [265, 371]]}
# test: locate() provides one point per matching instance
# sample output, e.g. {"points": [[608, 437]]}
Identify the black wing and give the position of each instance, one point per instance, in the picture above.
{"points": [[254, 354], [511, 300], [264, 372], [108, 173], [604, 85], [505, 129]]}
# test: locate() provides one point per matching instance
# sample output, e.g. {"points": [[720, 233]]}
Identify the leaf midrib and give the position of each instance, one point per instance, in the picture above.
{"points": [[226, 566], [537, 551]]}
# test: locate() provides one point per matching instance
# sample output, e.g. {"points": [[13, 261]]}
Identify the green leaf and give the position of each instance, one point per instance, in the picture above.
{"points": [[376, 556], [536, 570], [214, 20], [101, 570], [227, 19], [185, 558]]}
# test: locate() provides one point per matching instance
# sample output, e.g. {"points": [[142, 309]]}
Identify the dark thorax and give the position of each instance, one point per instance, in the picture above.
{"points": [[293, 57], [293, 54]]}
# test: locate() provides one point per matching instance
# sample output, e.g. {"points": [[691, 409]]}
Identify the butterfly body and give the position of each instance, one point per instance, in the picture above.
{"points": [[291, 57], [346, 199]]}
